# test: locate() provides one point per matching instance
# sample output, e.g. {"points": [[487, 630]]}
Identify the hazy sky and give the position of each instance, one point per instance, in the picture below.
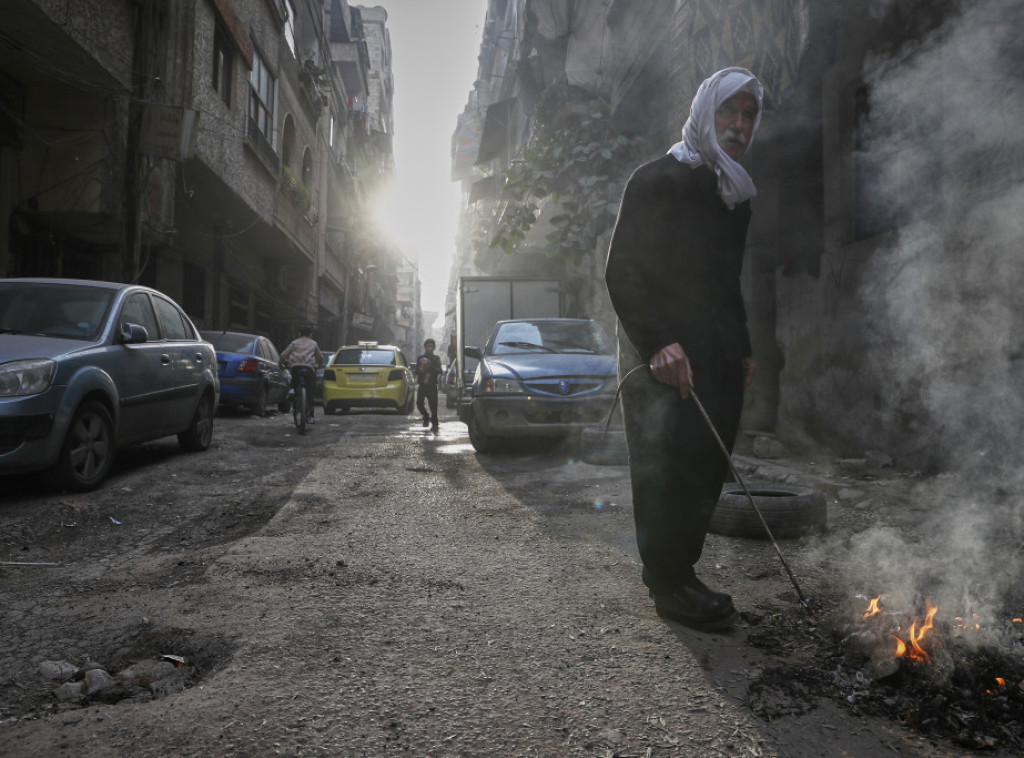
{"points": [[434, 49]]}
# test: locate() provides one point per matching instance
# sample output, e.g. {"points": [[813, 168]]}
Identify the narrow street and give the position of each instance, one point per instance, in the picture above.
{"points": [[372, 589]]}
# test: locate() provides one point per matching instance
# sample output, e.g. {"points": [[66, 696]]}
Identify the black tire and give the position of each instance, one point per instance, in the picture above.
{"points": [[482, 443], [260, 409], [788, 511], [88, 450], [299, 410], [199, 435], [603, 449]]}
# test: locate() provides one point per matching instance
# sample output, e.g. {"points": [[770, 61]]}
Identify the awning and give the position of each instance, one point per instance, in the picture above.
{"points": [[497, 130], [465, 146]]}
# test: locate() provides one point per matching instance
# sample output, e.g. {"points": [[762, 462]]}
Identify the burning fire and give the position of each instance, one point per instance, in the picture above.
{"points": [[874, 607], [910, 647]]}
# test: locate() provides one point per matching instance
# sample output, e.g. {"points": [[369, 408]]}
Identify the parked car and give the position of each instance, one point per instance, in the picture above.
{"points": [[368, 375], [247, 365], [450, 385], [544, 377], [87, 367], [328, 360]]}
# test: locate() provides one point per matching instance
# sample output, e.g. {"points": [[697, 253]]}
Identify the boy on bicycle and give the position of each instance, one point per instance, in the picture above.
{"points": [[304, 358]]}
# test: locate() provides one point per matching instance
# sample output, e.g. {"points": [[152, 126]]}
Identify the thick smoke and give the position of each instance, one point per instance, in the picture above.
{"points": [[945, 131]]}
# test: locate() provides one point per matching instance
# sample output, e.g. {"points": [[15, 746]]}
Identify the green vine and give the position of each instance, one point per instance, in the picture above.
{"points": [[579, 160]]}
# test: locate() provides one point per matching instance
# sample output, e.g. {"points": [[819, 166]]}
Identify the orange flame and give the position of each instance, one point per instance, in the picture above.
{"points": [[874, 607], [912, 648]]}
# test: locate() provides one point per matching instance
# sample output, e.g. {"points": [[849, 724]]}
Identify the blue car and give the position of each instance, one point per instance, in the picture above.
{"points": [[250, 377], [542, 377], [87, 366]]}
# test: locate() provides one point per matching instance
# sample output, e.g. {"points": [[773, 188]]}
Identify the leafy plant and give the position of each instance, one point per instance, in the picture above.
{"points": [[577, 159]]}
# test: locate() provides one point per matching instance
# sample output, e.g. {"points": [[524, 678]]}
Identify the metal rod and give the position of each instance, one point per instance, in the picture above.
{"points": [[732, 467], [750, 498]]}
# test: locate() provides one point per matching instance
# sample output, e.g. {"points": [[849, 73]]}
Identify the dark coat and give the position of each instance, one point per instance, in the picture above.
{"points": [[673, 270], [428, 368]]}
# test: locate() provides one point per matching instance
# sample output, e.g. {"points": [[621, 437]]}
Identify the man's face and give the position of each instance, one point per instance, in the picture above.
{"points": [[734, 123], [429, 347]]}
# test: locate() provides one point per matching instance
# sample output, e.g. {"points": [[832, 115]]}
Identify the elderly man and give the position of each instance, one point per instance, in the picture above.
{"points": [[673, 274]]}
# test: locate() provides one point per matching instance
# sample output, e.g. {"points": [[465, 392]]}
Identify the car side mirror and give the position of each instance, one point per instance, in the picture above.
{"points": [[472, 352], [132, 334]]}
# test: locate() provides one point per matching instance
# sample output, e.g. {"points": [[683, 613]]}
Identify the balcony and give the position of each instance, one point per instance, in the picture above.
{"points": [[261, 146]]}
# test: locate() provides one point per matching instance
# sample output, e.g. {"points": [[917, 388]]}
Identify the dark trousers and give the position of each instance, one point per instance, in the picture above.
{"points": [[676, 467], [427, 394]]}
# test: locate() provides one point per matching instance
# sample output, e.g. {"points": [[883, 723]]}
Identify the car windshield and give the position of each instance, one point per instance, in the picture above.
{"points": [[551, 337], [365, 357], [67, 311], [231, 343]]}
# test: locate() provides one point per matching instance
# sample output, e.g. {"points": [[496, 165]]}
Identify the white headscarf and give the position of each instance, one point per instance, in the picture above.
{"points": [[700, 143]]}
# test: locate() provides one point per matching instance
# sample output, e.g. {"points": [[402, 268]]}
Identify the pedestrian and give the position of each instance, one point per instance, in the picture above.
{"points": [[673, 274], [302, 357], [428, 369]]}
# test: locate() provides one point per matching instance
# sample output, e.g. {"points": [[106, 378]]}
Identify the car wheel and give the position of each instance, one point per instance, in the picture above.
{"points": [[199, 435], [482, 443], [88, 451], [788, 511], [260, 409]]}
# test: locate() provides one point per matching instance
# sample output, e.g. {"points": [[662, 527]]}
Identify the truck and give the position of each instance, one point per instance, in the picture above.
{"points": [[485, 300]]}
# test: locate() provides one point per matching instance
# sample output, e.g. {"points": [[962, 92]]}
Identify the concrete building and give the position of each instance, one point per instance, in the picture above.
{"points": [[204, 147], [881, 280]]}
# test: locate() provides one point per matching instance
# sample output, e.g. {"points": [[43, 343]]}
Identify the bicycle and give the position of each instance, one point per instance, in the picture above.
{"points": [[301, 400]]}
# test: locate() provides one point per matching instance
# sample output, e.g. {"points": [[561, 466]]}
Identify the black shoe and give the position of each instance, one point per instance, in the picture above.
{"points": [[426, 422], [433, 427], [697, 607]]}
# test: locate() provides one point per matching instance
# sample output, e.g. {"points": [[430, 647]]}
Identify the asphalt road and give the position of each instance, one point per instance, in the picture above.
{"points": [[373, 589]]}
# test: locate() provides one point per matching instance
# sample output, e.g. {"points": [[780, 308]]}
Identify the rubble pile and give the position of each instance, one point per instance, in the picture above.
{"points": [[967, 685], [92, 683]]}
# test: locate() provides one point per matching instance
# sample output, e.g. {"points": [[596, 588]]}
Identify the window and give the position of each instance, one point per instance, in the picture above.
{"points": [[289, 26], [307, 168], [261, 98], [173, 322], [222, 64], [137, 310]]}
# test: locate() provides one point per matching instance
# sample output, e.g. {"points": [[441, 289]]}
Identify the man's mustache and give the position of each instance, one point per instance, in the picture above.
{"points": [[730, 135]]}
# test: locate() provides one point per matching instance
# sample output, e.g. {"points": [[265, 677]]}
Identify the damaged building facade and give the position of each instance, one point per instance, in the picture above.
{"points": [[880, 278], [221, 151]]}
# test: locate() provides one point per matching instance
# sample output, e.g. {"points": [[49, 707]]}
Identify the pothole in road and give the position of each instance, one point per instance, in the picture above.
{"points": [[146, 662]]}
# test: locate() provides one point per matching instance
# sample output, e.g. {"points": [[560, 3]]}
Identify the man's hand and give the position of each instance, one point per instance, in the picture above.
{"points": [[748, 371], [671, 366]]}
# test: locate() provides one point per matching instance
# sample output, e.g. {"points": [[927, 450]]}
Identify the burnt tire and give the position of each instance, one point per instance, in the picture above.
{"points": [[788, 511], [88, 450]]}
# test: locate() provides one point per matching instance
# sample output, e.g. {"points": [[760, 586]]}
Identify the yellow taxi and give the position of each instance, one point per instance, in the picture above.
{"points": [[368, 375]]}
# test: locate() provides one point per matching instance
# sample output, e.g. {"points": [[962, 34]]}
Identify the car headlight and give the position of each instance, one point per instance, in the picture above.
{"points": [[503, 386], [26, 377]]}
